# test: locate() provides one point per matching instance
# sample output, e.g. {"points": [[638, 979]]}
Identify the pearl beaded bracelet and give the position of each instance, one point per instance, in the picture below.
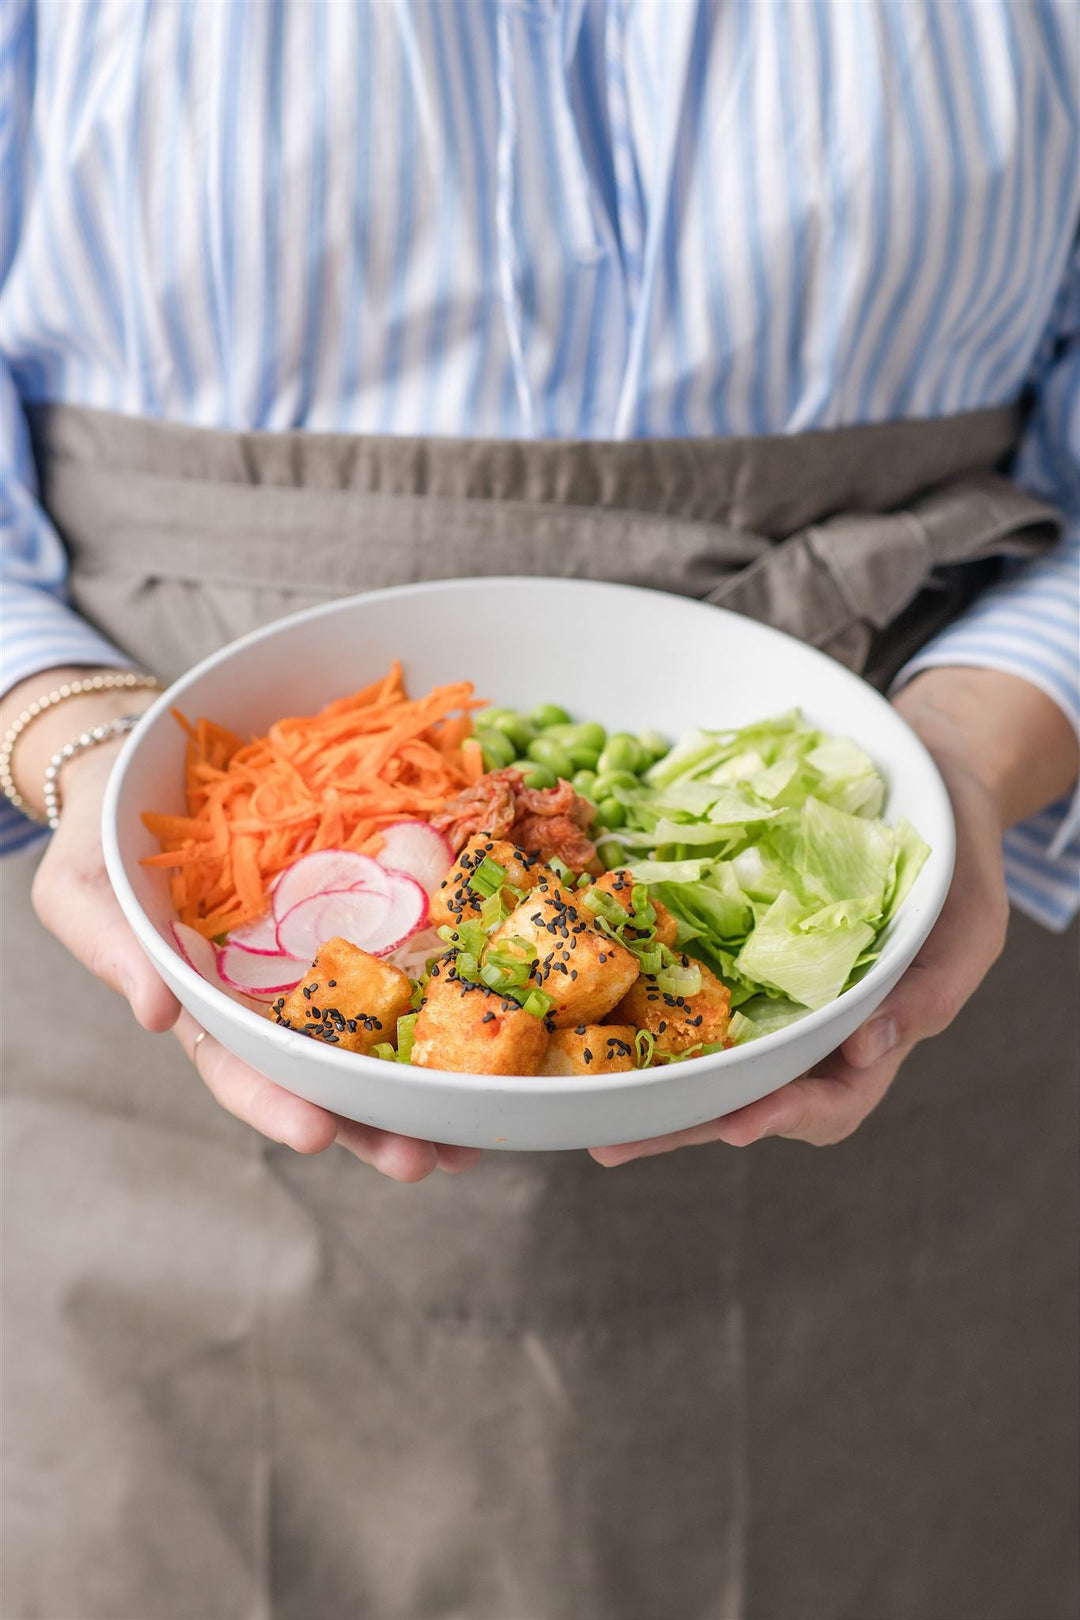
{"points": [[128, 680], [50, 793]]}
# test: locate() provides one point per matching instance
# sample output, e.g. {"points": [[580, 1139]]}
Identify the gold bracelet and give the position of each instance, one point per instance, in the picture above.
{"points": [[126, 682]]}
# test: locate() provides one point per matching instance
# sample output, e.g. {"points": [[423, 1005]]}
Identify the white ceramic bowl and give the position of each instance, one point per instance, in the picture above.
{"points": [[629, 658]]}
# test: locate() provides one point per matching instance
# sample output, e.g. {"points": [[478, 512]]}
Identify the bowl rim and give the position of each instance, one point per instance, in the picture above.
{"points": [[538, 1085]]}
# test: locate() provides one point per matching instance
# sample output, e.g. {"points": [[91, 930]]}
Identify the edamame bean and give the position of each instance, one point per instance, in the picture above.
{"points": [[585, 782], [592, 734], [520, 731], [621, 753], [486, 718], [611, 853], [549, 714], [610, 813], [587, 734], [538, 776], [583, 757], [497, 749], [611, 782], [653, 743], [553, 755]]}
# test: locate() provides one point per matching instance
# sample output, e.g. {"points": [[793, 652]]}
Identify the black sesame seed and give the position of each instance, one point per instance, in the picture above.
{"points": [[488, 1018]]}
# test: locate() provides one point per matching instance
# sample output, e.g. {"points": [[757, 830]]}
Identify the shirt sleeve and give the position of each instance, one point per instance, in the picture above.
{"points": [[37, 627], [1028, 624]]}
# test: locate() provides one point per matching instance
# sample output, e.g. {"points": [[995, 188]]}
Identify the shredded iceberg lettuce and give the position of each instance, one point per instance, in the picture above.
{"points": [[767, 845]]}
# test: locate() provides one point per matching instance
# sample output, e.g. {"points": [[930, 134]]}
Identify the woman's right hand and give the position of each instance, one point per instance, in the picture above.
{"points": [[73, 898]]}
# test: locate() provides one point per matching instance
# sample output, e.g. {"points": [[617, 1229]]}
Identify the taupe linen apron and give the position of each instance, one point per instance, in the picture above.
{"points": [[705, 1387]]}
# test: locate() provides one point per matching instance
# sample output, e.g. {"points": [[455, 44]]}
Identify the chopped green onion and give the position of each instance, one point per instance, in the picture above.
{"points": [[644, 1047], [493, 912], [537, 1003], [584, 880], [419, 988], [702, 1049], [561, 870], [639, 900], [649, 956], [514, 968], [468, 936], [488, 877], [384, 1050], [680, 981], [406, 1026], [604, 905], [494, 977], [467, 967]]}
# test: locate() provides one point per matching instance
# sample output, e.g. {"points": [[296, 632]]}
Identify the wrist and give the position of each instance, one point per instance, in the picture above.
{"points": [[995, 730], [48, 732]]}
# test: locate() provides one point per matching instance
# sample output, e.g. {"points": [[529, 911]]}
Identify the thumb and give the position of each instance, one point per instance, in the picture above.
{"points": [[955, 959]]}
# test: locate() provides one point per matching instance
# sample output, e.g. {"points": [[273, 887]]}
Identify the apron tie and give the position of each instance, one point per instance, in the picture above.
{"points": [[836, 582]]}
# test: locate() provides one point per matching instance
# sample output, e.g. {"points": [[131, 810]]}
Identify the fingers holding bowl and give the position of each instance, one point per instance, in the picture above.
{"points": [[304, 1126], [251, 1097]]}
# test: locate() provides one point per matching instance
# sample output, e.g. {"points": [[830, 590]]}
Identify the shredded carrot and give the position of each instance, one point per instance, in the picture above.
{"points": [[332, 780]]}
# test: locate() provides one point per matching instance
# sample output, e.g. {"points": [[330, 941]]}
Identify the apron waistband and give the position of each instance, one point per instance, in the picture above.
{"points": [[834, 536]]}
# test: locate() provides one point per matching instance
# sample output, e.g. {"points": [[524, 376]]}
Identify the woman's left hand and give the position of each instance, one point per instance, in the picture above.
{"points": [[993, 780]]}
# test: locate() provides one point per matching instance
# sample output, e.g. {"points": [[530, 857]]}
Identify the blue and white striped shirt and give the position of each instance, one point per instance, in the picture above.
{"points": [[563, 218]]}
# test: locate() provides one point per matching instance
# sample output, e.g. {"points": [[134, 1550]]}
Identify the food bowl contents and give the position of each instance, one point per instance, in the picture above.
{"points": [[767, 846], [440, 883], [337, 780], [347, 998], [549, 820], [535, 976], [591, 1049], [463, 1025]]}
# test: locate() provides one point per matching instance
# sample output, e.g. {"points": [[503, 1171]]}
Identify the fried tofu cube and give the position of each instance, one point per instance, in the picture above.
{"points": [[467, 1028], [583, 971], [590, 1049], [619, 884], [678, 1021], [346, 998], [456, 901]]}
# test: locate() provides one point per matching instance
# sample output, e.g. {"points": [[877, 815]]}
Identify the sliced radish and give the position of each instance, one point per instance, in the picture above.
{"points": [[408, 912], [197, 952], [358, 915], [256, 973], [259, 936], [323, 871], [415, 848]]}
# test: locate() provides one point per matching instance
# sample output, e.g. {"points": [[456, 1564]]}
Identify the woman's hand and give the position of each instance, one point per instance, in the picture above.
{"points": [[74, 900], [1005, 750]]}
